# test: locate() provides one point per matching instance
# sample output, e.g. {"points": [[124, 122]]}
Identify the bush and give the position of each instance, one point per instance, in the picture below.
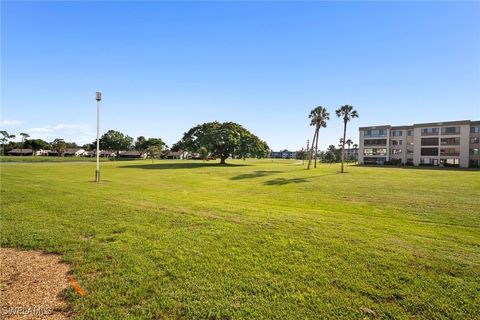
{"points": [[393, 162]]}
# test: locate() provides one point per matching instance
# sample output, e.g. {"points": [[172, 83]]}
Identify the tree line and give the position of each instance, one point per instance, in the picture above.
{"points": [[211, 139]]}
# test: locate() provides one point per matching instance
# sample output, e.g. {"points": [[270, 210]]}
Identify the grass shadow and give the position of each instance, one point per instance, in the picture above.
{"points": [[179, 165], [283, 181], [255, 174]]}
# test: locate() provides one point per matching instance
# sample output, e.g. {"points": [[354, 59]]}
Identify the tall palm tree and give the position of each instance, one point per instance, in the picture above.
{"points": [[347, 113], [5, 137], [318, 118], [24, 137]]}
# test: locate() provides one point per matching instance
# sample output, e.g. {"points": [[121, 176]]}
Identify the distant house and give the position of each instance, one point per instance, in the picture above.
{"points": [[132, 154], [283, 154], [176, 154], [42, 152], [74, 152], [103, 153], [22, 152]]}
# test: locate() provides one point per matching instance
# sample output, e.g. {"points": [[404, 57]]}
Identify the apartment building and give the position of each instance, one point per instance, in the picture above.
{"points": [[453, 143]]}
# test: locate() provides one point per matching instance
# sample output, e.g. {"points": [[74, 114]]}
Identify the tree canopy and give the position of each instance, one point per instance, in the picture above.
{"points": [[143, 144], [222, 140], [115, 141]]}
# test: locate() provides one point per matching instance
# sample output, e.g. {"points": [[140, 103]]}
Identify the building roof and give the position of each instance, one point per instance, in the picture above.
{"points": [[430, 124], [130, 153], [446, 123], [72, 150], [21, 151]]}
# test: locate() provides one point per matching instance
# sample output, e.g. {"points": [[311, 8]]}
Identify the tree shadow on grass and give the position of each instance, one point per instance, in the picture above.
{"points": [[284, 181], [255, 174], [179, 165]]}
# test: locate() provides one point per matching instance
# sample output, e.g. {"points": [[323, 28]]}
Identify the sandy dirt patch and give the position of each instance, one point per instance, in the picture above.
{"points": [[31, 285]]}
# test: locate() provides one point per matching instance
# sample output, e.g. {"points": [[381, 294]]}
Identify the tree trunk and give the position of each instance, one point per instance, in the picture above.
{"points": [[311, 149], [343, 143], [222, 160], [316, 147]]}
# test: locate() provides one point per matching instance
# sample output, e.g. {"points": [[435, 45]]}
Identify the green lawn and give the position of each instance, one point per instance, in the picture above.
{"points": [[255, 239]]}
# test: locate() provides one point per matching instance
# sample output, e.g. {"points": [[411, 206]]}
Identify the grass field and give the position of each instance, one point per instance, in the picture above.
{"points": [[254, 239]]}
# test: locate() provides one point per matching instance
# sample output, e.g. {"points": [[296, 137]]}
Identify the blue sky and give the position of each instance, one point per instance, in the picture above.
{"points": [[166, 66]]}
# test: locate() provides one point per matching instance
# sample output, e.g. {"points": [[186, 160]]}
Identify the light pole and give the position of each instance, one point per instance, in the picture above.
{"points": [[98, 97]]}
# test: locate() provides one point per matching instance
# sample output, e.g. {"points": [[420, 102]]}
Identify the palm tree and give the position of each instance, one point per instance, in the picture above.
{"points": [[355, 146], [347, 113], [24, 137], [319, 117], [348, 143], [5, 137]]}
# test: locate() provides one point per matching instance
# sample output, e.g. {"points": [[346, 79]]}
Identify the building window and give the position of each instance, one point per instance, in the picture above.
{"points": [[430, 132], [409, 151], [410, 133], [396, 133], [375, 142], [450, 162], [376, 133], [475, 151], [429, 152], [375, 151], [474, 129], [396, 151], [451, 130], [429, 161], [450, 141], [474, 140], [429, 142], [396, 142], [450, 151]]}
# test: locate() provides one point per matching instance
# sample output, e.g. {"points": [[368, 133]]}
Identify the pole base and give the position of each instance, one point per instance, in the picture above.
{"points": [[97, 176]]}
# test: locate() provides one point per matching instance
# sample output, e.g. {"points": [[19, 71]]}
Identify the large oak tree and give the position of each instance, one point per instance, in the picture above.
{"points": [[116, 141], [223, 140]]}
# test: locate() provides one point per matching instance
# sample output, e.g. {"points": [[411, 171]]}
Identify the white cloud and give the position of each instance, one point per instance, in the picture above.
{"points": [[71, 132], [5, 123]]}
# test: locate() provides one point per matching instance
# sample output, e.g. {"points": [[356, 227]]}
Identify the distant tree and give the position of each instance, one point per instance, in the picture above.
{"points": [[90, 146], [154, 152], [318, 119], [330, 156], [222, 140], [59, 146], [335, 151], [301, 154], [347, 113], [5, 138], [71, 144], [348, 143], [24, 137], [355, 146], [115, 141], [141, 144], [36, 144], [203, 153]]}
